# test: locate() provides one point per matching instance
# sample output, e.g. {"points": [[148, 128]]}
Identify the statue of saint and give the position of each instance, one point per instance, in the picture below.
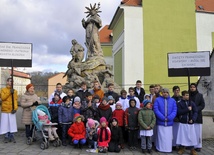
{"points": [[92, 26], [77, 51]]}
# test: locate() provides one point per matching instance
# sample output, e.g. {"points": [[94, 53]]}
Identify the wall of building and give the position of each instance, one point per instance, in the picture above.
{"points": [[205, 29], [118, 67], [118, 28], [168, 27]]}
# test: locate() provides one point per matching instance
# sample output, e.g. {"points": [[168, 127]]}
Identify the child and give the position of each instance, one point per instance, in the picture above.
{"points": [[76, 105], [96, 99], [123, 99], [146, 119], [116, 136], [131, 123], [104, 136], [43, 119], [91, 132], [119, 114], [111, 102], [88, 108], [54, 106], [187, 114], [65, 118], [104, 110], [71, 95], [77, 131]]}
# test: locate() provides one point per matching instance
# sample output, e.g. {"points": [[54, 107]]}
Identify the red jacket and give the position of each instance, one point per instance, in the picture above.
{"points": [[104, 142], [77, 131], [120, 115]]}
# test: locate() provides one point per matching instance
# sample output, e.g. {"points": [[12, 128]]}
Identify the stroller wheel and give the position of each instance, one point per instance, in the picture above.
{"points": [[55, 143], [43, 145], [59, 142], [47, 145], [29, 140]]}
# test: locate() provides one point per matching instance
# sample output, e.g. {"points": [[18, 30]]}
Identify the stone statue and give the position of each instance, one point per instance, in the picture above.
{"points": [[92, 26], [77, 51]]}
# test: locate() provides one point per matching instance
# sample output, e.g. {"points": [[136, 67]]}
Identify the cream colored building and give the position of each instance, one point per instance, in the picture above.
{"points": [[52, 81]]}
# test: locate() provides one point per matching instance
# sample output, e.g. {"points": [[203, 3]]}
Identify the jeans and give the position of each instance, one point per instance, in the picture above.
{"points": [[65, 128], [81, 141], [146, 141]]}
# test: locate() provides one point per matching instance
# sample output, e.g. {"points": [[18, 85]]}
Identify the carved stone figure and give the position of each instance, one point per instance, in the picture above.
{"points": [[77, 51], [92, 26]]}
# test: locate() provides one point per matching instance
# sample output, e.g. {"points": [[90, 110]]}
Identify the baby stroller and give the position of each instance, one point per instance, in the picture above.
{"points": [[44, 127]]}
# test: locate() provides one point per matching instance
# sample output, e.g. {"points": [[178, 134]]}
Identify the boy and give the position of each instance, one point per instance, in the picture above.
{"points": [[188, 113]]}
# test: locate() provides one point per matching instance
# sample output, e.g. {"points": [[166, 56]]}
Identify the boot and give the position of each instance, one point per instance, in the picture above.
{"points": [[181, 150], [193, 152]]}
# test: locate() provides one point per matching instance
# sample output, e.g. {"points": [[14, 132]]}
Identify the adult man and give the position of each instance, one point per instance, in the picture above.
{"points": [[139, 91], [111, 92], [8, 124], [82, 91], [165, 109], [152, 91], [198, 99], [59, 91]]}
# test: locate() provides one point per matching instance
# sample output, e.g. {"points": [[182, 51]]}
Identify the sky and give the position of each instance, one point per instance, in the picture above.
{"points": [[49, 25]]}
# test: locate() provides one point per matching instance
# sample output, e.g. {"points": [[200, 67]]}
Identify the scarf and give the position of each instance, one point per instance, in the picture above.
{"points": [[104, 131], [104, 107]]}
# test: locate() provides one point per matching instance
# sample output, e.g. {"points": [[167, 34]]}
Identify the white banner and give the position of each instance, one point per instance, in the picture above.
{"points": [[189, 60], [20, 51]]}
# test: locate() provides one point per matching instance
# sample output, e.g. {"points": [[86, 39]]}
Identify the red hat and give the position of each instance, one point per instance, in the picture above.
{"points": [[76, 116], [103, 119], [28, 86]]}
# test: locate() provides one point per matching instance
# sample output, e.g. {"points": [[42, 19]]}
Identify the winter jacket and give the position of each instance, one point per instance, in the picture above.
{"points": [[117, 135], [165, 115], [62, 94], [131, 118], [53, 110], [136, 99], [98, 92], [65, 113], [93, 130], [177, 99], [120, 115], [27, 101], [103, 139], [104, 111], [184, 114], [6, 97], [146, 118], [141, 95], [88, 112], [198, 99], [113, 94], [82, 94], [77, 131]]}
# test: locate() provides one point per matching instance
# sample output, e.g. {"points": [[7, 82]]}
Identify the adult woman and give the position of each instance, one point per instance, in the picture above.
{"points": [[29, 101]]}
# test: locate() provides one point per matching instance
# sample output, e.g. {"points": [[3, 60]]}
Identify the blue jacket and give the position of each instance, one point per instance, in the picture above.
{"points": [[160, 109], [184, 114], [65, 113]]}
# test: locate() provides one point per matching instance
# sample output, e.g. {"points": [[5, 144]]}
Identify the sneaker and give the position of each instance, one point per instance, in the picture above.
{"points": [[198, 149], [143, 150], [149, 151], [100, 150], [193, 152], [6, 140], [181, 150], [13, 140], [105, 150]]}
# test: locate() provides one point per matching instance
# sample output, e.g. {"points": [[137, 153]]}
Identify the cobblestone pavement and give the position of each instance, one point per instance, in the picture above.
{"points": [[21, 148]]}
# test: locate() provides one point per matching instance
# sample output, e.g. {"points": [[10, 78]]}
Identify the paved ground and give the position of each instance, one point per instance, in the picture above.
{"points": [[22, 148]]}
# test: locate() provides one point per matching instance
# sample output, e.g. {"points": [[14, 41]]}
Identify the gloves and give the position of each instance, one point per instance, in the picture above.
{"points": [[35, 103], [13, 111], [11, 91]]}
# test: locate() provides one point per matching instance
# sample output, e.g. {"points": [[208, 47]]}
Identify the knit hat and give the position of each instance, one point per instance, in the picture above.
{"points": [[28, 86], [57, 94], [145, 102], [118, 104], [110, 98], [90, 122], [114, 119], [77, 99], [165, 90], [146, 96], [105, 98], [76, 116], [103, 119]]}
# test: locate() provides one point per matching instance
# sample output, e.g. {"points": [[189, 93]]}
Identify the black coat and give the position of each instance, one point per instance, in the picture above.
{"points": [[82, 94], [198, 99], [183, 112], [141, 95], [113, 94], [116, 135]]}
